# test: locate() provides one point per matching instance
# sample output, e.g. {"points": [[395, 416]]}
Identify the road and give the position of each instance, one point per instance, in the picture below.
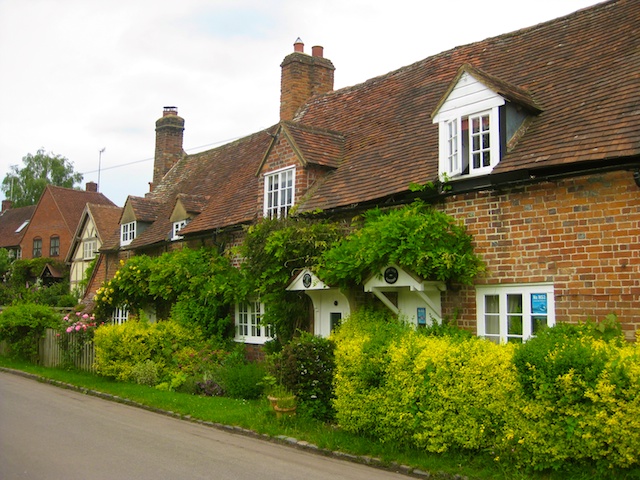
{"points": [[49, 433]]}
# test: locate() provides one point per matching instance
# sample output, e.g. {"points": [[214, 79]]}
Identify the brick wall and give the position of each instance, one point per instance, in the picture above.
{"points": [[46, 222], [582, 234]]}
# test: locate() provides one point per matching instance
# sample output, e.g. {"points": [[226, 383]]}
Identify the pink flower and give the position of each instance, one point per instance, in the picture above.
{"points": [[78, 314], [84, 327], [85, 316], [66, 319], [78, 327], [69, 329]]}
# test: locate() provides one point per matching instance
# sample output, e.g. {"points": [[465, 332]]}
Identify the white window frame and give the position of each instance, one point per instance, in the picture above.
{"points": [[127, 233], [456, 144], [89, 248], [279, 192], [177, 226], [248, 318], [532, 295]]}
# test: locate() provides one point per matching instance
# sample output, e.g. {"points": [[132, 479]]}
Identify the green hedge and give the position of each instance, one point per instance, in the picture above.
{"points": [[541, 405], [22, 326], [123, 351]]}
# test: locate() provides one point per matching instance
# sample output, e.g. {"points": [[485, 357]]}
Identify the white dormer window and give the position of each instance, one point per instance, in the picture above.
{"points": [[127, 233], [249, 328], [177, 226], [279, 188], [470, 137]]}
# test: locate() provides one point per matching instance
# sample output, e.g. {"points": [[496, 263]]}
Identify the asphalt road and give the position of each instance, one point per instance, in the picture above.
{"points": [[49, 433]]}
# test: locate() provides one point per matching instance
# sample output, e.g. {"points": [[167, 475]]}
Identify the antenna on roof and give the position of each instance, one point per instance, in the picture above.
{"points": [[99, 164]]}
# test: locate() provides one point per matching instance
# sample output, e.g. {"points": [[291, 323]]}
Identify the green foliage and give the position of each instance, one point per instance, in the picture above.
{"points": [[196, 285], [119, 348], [24, 186], [306, 367], [5, 262], [145, 373], [563, 398], [272, 250], [416, 236], [22, 326], [24, 285], [240, 378]]}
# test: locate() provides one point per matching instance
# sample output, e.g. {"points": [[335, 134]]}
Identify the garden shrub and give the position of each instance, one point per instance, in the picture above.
{"points": [[565, 397], [239, 378], [22, 326], [119, 348], [306, 367], [145, 373]]}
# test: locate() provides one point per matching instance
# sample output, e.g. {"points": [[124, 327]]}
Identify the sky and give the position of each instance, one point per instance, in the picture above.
{"points": [[80, 76]]}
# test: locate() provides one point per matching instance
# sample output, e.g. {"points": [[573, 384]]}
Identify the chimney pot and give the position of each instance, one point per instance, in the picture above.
{"points": [[298, 46], [317, 51], [170, 111]]}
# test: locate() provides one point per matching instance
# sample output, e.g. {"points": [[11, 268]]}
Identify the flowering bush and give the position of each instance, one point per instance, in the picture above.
{"points": [[565, 397], [76, 332]]}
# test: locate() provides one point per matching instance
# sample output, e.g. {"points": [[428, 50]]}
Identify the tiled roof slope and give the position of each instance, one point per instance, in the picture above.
{"points": [[71, 203], [10, 221], [582, 70], [106, 219], [226, 174], [316, 146]]}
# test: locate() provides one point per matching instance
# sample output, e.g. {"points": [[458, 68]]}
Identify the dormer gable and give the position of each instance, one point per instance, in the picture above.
{"points": [[138, 213], [480, 116], [186, 208], [296, 157]]}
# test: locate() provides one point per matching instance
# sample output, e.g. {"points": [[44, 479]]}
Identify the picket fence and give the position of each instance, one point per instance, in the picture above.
{"points": [[52, 355]]}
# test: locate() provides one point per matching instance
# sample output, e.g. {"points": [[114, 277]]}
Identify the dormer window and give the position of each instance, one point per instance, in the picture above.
{"points": [[279, 188], [177, 226], [127, 233], [478, 117], [468, 144]]}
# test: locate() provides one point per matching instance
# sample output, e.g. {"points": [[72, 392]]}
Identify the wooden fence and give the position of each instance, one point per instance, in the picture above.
{"points": [[53, 355]]}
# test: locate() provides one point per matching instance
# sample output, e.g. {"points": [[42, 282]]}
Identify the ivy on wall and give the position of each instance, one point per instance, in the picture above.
{"points": [[201, 286], [416, 236]]}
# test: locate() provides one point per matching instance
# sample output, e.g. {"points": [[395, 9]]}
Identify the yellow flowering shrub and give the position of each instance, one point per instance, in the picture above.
{"points": [[119, 348], [564, 397]]}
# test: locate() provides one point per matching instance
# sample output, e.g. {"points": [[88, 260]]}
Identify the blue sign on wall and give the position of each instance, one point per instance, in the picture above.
{"points": [[539, 303], [422, 316]]}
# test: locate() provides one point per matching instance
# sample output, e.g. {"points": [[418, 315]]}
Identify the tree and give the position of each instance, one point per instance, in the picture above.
{"points": [[24, 186]]}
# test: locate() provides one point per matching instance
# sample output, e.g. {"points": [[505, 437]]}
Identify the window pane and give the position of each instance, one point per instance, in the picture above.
{"points": [[514, 303], [492, 304], [538, 323], [492, 324], [514, 325]]}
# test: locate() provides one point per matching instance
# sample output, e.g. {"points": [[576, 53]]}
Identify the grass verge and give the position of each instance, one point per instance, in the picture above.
{"points": [[257, 416]]}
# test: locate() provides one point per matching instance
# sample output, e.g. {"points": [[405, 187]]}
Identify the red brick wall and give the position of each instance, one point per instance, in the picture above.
{"points": [[582, 234], [302, 77], [45, 223]]}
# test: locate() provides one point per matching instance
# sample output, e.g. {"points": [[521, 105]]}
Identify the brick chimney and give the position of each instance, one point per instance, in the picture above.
{"points": [[169, 130], [303, 76], [6, 205], [91, 187]]}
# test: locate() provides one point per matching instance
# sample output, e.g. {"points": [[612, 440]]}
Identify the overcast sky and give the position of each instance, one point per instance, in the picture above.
{"points": [[77, 76]]}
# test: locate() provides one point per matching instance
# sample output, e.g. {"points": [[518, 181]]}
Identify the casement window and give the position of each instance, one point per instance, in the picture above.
{"points": [[37, 247], [279, 188], [177, 226], [514, 313], [54, 246], [127, 233], [89, 249], [119, 316], [470, 144], [248, 323]]}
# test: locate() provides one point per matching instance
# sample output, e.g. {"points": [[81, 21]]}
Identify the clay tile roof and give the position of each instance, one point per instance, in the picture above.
{"points": [[144, 209], [192, 203], [71, 203], [106, 219], [10, 221], [315, 146], [581, 70], [220, 183]]}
